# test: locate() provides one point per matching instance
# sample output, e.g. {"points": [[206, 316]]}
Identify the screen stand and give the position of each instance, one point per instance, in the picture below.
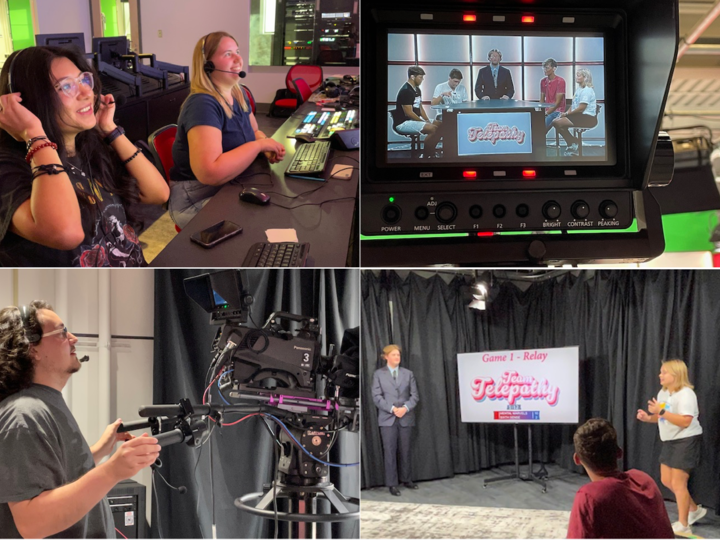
{"points": [[530, 476]]}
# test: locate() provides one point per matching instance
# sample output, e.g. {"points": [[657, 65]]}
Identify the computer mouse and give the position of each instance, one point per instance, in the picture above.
{"points": [[305, 137], [254, 196]]}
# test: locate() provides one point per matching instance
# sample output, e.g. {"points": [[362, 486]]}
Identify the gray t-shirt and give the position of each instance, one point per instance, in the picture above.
{"points": [[42, 448]]}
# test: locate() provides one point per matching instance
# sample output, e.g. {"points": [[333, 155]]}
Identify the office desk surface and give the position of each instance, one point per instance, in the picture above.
{"points": [[493, 104], [327, 228]]}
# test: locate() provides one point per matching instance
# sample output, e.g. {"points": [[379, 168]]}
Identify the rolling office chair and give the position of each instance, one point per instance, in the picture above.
{"points": [[303, 91], [251, 98], [161, 142], [285, 102]]}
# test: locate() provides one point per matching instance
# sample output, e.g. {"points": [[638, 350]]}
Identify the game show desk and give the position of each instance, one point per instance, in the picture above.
{"points": [[328, 228], [498, 106]]}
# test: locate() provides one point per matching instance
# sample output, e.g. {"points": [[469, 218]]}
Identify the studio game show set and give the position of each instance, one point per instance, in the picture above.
{"points": [[515, 134]]}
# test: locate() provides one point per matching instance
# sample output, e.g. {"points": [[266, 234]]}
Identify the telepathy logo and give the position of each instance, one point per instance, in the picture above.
{"points": [[494, 132], [513, 386]]}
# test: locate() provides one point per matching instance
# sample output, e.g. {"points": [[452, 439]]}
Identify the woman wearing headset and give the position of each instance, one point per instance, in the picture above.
{"points": [[68, 172], [217, 137]]}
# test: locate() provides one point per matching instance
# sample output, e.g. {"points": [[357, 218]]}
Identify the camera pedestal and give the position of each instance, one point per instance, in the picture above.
{"points": [[308, 495]]}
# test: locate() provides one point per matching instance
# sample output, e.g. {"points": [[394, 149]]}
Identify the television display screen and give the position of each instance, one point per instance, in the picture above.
{"points": [[458, 98]]}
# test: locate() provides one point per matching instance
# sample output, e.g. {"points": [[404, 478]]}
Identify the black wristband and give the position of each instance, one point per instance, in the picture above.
{"points": [[50, 169], [128, 160], [114, 134]]}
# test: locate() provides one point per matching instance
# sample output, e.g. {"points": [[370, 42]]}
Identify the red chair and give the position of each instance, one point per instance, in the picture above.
{"points": [[251, 98], [302, 90], [161, 142], [285, 101]]}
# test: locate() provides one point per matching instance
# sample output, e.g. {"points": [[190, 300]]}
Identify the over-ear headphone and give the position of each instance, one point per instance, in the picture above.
{"points": [[25, 312], [208, 66], [10, 71]]}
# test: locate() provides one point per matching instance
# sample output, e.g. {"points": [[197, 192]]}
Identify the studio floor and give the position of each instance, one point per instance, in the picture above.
{"points": [[552, 509]]}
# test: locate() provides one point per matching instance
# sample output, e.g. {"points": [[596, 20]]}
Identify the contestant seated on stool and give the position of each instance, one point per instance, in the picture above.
{"points": [[409, 116], [552, 90], [614, 504], [582, 114], [217, 134]]}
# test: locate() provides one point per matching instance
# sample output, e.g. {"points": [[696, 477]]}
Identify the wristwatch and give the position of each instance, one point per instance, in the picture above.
{"points": [[662, 411], [114, 134]]}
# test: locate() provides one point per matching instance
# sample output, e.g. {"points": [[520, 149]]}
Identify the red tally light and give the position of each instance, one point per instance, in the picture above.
{"points": [[469, 174], [483, 234], [469, 17], [529, 173], [528, 19]]}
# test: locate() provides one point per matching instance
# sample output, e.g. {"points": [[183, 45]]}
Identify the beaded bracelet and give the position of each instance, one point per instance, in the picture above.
{"points": [[128, 160], [34, 140], [51, 169], [32, 151]]}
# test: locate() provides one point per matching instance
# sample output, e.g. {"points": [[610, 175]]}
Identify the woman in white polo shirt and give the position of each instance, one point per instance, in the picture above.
{"points": [[676, 413]]}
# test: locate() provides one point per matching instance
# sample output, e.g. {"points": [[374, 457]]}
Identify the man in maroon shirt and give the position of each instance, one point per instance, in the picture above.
{"points": [[615, 504], [552, 90]]}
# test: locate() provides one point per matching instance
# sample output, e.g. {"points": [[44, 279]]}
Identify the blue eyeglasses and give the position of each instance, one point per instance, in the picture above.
{"points": [[71, 87]]}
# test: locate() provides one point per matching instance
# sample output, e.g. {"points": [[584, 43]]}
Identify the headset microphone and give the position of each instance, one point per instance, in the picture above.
{"points": [[209, 67], [84, 358]]}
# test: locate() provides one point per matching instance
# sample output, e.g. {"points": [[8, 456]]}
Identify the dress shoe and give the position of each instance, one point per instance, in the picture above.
{"points": [[394, 491], [411, 485]]}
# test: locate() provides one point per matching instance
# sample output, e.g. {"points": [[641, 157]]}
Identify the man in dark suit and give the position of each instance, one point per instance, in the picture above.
{"points": [[395, 395], [494, 81]]}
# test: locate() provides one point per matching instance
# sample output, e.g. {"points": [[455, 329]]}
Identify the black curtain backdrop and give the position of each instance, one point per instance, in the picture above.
{"points": [[243, 455], [624, 322]]}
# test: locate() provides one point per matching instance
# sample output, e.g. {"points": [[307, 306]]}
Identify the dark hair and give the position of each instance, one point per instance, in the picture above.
{"points": [[550, 62], [596, 444], [16, 363], [415, 70], [32, 77], [455, 74]]}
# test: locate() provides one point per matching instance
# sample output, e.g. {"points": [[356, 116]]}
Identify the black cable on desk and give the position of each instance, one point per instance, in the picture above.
{"points": [[313, 204]]}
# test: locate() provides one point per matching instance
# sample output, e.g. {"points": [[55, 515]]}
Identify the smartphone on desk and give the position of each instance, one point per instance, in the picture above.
{"points": [[215, 234]]}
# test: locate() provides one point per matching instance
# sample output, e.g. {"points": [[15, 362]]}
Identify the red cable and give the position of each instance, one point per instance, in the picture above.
{"points": [[243, 418], [121, 534]]}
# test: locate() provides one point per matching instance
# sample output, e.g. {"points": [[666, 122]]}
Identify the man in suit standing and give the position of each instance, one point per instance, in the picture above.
{"points": [[494, 81], [395, 395]]}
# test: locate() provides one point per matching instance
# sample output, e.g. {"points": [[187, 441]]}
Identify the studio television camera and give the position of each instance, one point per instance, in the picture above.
{"points": [[498, 182], [276, 371]]}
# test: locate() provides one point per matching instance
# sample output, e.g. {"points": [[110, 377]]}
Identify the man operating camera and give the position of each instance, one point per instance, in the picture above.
{"points": [[52, 484]]}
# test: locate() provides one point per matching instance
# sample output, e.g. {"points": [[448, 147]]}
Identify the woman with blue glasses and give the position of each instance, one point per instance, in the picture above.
{"points": [[68, 171]]}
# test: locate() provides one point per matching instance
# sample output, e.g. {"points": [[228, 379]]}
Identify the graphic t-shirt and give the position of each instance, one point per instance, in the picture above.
{"points": [[109, 239], [681, 402]]}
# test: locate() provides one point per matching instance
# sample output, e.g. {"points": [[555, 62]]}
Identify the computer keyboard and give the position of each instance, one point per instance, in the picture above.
{"points": [[309, 158], [289, 254]]}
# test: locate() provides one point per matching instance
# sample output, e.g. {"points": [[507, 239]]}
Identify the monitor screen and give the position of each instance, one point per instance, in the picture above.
{"points": [[471, 97], [62, 40]]}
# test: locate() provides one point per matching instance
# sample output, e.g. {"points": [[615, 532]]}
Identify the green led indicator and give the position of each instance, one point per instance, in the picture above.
{"points": [[392, 199]]}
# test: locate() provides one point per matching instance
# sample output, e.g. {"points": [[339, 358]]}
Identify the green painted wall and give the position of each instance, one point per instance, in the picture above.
{"points": [[109, 9], [21, 24]]}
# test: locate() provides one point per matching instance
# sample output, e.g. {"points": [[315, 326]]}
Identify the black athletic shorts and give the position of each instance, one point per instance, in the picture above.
{"points": [[682, 453]]}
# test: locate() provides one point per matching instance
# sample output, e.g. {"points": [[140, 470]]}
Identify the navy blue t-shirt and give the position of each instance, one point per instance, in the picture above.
{"points": [[204, 110]]}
